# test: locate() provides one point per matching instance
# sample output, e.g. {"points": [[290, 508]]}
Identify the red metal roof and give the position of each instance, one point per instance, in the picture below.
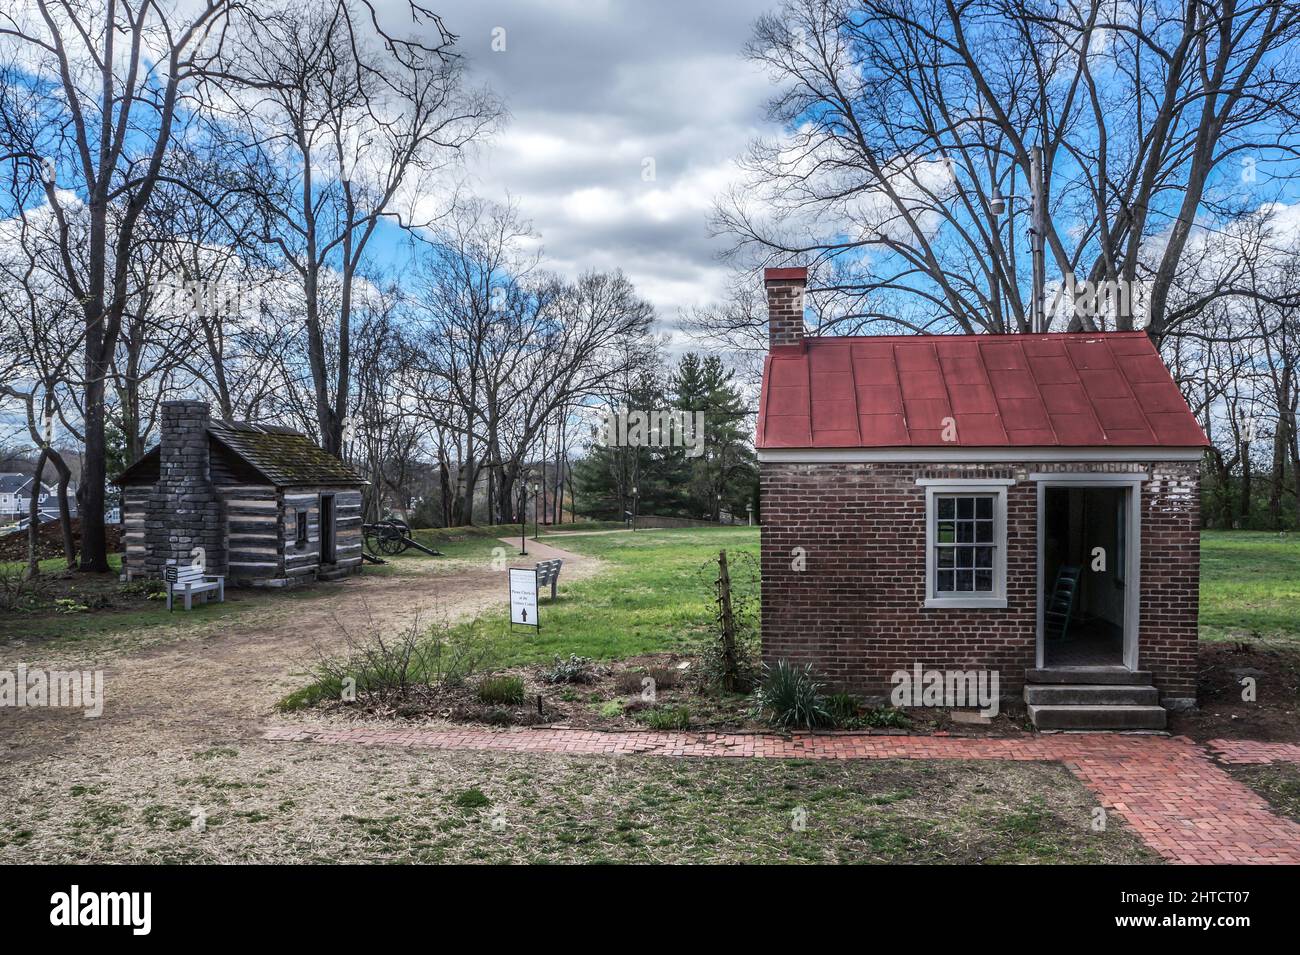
{"points": [[1065, 390]]}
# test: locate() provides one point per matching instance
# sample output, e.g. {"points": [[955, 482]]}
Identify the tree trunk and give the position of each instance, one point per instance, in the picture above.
{"points": [[94, 466], [65, 512], [34, 518], [1245, 485]]}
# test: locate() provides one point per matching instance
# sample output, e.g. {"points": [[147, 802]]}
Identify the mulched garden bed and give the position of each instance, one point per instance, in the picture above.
{"points": [[612, 697]]}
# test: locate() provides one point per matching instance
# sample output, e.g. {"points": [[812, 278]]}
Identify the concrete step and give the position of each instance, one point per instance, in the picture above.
{"points": [[1090, 675], [1054, 717], [1091, 694]]}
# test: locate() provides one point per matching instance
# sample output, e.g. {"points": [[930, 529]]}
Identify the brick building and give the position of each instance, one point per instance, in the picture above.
{"points": [[1020, 503]]}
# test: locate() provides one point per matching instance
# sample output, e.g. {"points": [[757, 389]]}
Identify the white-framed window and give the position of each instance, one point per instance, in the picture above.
{"points": [[966, 543]]}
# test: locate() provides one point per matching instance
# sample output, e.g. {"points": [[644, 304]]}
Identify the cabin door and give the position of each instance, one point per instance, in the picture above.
{"points": [[327, 535], [1088, 564]]}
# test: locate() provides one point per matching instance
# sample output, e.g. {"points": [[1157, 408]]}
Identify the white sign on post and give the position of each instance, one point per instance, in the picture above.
{"points": [[523, 596]]}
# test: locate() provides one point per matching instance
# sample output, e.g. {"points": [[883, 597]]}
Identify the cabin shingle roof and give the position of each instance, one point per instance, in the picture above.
{"points": [[283, 456], [286, 457]]}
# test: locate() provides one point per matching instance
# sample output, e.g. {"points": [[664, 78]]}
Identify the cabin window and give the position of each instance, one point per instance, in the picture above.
{"points": [[966, 541], [300, 530]]}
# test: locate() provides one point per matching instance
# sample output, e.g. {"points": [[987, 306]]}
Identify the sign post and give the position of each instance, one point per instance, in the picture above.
{"points": [[523, 597]]}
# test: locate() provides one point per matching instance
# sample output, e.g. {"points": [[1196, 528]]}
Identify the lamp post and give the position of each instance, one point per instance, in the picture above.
{"points": [[523, 519], [537, 489], [634, 507], [1037, 231]]}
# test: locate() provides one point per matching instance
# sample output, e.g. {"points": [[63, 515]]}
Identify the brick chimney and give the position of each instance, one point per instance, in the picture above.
{"points": [[785, 289], [184, 511]]}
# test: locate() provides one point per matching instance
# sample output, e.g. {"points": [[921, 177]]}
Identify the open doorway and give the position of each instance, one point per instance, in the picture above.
{"points": [[1083, 589], [327, 535]]}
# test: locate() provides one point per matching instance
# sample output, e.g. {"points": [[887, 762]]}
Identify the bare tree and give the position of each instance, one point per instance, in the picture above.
{"points": [[91, 118], [911, 127], [351, 125]]}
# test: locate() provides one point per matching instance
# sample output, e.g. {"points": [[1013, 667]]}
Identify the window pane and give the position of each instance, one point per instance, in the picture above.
{"points": [[946, 506], [965, 581], [965, 532], [984, 580], [945, 557], [984, 508], [946, 533], [965, 507], [984, 532], [983, 556], [965, 557], [945, 580]]}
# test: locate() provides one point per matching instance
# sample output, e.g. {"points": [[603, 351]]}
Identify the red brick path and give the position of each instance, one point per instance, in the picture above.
{"points": [[1169, 790]]}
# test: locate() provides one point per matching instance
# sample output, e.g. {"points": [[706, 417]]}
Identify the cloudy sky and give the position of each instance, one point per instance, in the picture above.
{"points": [[594, 89]]}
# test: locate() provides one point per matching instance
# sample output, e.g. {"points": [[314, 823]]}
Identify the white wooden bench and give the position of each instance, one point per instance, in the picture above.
{"points": [[548, 572], [186, 580]]}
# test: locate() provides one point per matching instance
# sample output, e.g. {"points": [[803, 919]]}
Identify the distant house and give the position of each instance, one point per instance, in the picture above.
{"points": [[1025, 504], [12, 487], [266, 504], [16, 499]]}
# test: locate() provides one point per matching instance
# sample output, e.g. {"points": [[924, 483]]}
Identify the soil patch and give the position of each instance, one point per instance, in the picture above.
{"points": [[1224, 668], [49, 541]]}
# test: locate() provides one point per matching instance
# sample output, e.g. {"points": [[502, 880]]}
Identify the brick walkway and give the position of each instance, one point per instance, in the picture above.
{"points": [[1244, 752], [1169, 790]]}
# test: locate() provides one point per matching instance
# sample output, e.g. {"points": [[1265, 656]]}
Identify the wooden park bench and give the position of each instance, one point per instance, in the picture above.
{"points": [[548, 572], [187, 580]]}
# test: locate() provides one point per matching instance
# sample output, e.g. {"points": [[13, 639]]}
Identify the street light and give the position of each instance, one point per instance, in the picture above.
{"points": [[537, 489], [523, 518], [634, 508], [1037, 231]]}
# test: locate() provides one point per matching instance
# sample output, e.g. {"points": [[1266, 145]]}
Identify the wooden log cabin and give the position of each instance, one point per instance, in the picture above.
{"points": [[267, 505]]}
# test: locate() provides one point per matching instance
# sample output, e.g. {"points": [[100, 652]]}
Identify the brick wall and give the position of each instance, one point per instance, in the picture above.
{"points": [[785, 304], [856, 611]]}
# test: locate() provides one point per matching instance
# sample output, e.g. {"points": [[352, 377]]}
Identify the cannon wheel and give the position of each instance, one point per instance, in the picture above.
{"points": [[392, 538]]}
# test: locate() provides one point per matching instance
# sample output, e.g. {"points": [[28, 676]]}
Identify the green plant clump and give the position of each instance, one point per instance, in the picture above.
{"points": [[501, 690], [790, 697]]}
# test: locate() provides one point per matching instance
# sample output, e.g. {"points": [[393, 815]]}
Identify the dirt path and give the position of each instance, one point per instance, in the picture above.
{"points": [[219, 687]]}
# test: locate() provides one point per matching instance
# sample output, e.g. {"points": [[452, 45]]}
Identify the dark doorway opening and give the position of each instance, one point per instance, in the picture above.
{"points": [[1083, 589], [327, 529]]}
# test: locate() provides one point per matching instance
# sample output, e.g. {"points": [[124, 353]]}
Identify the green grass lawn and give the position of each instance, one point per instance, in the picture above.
{"points": [[1250, 586], [654, 596]]}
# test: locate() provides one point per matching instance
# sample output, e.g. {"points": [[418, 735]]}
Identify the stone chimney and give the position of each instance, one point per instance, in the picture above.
{"points": [[184, 511], [785, 289]]}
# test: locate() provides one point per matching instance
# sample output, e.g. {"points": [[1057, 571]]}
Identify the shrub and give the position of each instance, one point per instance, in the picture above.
{"points": [[667, 718], [665, 677], [790, 697], [449, 657], [19, 593], [843, 708], [629, 681], [389, 666], [507, 690], [886, 716], [576, 669]]}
